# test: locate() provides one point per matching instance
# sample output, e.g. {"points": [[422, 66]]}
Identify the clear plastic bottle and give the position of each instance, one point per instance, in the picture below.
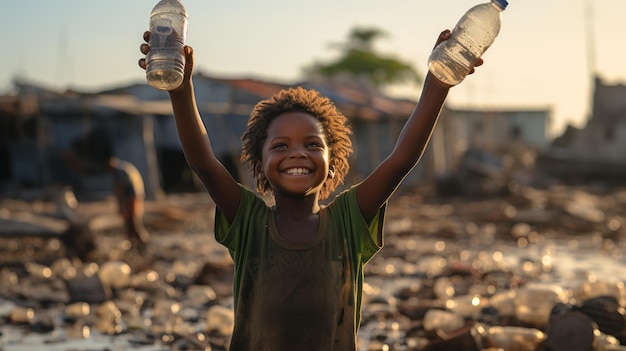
{"points": [[165, 61], [452, 60]]}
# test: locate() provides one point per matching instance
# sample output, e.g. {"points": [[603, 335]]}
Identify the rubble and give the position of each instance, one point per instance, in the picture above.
{"points": [[518, 271]]}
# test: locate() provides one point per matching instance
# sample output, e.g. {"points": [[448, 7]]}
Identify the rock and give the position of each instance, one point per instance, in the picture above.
{"points": [[87, 289]]}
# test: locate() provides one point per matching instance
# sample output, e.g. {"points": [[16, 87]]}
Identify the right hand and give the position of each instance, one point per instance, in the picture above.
{"points": [[187, 50]]}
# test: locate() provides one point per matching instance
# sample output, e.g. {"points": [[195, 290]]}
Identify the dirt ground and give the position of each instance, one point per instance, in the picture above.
{"points": [[556, 212], [37, 237], [181, 226]]}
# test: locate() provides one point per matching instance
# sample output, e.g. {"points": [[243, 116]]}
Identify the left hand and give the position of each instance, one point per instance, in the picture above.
{"points": [[445, 35]]}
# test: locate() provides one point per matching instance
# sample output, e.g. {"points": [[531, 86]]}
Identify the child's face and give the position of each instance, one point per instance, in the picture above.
{"points": [[295, 154]]}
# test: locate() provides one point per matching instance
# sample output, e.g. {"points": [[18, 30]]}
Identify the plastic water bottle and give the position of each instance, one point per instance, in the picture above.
{"points": [[452, 60], [165, 62]]}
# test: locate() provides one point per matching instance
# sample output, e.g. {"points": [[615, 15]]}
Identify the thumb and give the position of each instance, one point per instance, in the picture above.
{"points": [[443, 36]]}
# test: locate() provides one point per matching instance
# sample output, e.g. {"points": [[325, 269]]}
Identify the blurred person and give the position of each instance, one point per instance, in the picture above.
{"points": [[129, 191]]}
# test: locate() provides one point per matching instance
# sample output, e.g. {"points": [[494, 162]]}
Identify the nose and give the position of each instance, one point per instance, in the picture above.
{"points": [[298, 153]]}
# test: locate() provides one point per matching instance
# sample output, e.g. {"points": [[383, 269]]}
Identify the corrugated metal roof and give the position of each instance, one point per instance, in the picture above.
{"points": [[354, 100], [256, 87], [132, 105]]}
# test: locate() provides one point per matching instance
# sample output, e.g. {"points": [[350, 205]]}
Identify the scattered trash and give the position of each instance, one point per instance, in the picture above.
{"points": [[532, 269]]}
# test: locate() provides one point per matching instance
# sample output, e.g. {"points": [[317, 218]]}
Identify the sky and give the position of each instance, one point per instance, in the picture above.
{"points": [[545, 57]]}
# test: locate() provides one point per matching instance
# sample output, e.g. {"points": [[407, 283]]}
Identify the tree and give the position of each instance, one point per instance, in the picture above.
{"points": [[359, 59]]}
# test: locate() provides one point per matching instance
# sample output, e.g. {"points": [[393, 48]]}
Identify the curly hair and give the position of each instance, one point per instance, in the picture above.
{"points": [[334, 124]]}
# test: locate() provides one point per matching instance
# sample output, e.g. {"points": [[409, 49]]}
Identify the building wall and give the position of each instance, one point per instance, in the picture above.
{"points": [[603, 139], [142, 130], [494, 129]]}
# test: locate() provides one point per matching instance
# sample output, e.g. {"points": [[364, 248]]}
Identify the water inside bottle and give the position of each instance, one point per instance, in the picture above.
{"points": [[452, 67], [165, 62], [452, 60], [162, 76]]}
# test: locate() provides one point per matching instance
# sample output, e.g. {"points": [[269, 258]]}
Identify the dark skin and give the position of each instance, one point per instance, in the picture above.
{"points": [[298, 208], [296, 164]]}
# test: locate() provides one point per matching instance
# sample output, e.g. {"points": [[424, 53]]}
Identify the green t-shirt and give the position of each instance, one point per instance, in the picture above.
{"points": [[298, 296]]}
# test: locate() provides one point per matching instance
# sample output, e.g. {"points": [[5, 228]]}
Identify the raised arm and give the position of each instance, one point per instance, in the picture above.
{"points": [[409, 148], [194, 139]]}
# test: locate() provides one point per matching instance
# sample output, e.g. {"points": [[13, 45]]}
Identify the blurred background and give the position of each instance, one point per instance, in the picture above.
{"points": [[523, 180], [546, 55]]}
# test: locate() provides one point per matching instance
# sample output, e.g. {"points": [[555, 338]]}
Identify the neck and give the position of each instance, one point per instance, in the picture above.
{"points": [[296, 208]]}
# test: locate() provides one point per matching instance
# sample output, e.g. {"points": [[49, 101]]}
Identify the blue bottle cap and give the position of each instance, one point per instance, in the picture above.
{"points": [[502, 3]]}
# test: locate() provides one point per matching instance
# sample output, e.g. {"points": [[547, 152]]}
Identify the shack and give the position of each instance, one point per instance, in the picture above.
{"points": [[53, 138]]}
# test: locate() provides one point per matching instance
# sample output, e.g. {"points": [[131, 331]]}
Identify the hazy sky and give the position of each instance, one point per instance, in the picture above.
{"points": [[541, 59]]}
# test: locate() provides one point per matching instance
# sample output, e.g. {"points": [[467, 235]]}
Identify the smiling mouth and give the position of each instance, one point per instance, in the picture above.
{"points": [[297, 171]]}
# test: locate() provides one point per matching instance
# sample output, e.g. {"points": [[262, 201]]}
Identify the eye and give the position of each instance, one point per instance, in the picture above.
{"points": [[278, 146], [315, 145]]}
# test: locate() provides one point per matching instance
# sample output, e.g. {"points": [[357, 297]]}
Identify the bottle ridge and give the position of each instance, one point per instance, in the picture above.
{"points": [[165, 62], [452, 60]]}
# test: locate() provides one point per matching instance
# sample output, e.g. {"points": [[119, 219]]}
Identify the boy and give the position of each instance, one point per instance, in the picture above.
{"points": [[298, 264]]}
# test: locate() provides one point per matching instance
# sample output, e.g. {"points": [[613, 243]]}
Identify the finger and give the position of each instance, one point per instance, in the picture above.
{"points": [[146, 36], [478, 63], [144, 48], [142, 63], [443, 36]]}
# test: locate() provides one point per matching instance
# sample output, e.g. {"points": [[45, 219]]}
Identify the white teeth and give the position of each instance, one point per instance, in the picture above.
{"points": [[297, 171]]}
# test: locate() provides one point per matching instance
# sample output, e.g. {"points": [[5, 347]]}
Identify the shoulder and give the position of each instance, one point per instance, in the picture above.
{"points": [[252, 212], [344, 200], [345, 216], [344, 208], [250, 198]]}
